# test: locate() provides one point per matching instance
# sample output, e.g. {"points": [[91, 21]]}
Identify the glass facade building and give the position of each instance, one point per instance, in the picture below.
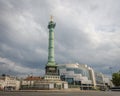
{"points": [[75, 74], [99, 78], [80, 74]]}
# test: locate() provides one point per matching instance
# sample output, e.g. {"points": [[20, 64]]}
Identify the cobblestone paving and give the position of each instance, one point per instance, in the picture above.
{"points": [[61, 93]]}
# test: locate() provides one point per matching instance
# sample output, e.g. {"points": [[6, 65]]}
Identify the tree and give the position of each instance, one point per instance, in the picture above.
{"points": [[116, 78]]}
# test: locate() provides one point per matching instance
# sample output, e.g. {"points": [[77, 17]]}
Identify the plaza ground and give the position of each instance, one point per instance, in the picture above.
{"points": [[62, 93]]}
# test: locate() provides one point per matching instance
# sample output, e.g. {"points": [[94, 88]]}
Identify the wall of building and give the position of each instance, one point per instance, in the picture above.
{"points": [[2, 84], [9, 83]]}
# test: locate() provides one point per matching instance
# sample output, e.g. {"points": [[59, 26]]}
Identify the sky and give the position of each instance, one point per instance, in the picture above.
{"points": [[86, 32]]}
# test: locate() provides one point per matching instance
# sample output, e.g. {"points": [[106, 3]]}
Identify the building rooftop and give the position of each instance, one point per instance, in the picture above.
{"points": [[33, 78]]}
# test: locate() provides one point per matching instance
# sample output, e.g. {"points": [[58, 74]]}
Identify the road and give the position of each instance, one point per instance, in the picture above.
{"points": [[62, 93]]}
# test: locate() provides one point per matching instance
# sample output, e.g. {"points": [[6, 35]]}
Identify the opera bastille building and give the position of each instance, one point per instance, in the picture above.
{"points": [[83, 76]]}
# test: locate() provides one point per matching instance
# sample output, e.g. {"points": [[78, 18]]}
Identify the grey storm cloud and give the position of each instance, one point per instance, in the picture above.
{"points": [[87, 32]]}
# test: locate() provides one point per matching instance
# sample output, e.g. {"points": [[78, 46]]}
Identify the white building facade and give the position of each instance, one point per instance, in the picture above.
{"points": [[9, 83]]}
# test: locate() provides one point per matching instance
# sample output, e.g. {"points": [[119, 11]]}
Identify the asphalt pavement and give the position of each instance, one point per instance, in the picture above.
{"points": [[62, 93]]}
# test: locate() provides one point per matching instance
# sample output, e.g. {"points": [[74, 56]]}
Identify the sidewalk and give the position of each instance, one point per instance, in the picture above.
{"points": [[57, 90]]}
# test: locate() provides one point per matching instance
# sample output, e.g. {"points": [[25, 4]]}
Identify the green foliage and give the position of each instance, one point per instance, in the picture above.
{"points": [[116, 78]]}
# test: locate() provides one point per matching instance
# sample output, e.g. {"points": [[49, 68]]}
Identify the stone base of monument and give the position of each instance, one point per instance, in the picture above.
{"points": [[47, 85], [52, 77], [51, 82]]}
